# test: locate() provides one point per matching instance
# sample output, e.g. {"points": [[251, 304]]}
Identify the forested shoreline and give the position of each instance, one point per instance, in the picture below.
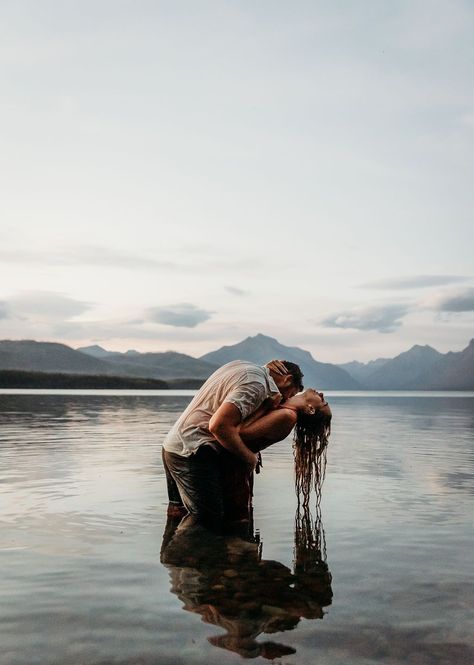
{"points": [[57, 380]]}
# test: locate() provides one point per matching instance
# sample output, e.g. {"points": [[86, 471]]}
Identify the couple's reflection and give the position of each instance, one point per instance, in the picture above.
{"points": [[227, 581]]}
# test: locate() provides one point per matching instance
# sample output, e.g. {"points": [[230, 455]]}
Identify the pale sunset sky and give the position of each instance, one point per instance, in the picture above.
{"points": [[180, 175]]}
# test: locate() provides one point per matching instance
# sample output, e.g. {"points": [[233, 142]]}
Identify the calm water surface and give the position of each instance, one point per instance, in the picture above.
{"points": [[91, 573]]}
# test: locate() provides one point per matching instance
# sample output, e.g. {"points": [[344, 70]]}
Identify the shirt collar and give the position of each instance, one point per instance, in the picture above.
{"points": [[272, 386]]}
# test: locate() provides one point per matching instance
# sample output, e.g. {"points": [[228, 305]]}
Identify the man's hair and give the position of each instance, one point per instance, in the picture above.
{"points": [[296, 373]]}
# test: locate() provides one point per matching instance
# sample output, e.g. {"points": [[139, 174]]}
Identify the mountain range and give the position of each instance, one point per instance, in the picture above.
{"points": [[419, 368], [28, 355]]}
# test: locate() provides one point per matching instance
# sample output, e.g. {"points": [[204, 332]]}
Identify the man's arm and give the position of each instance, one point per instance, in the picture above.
{"points": [[224, 427], [269, 404]]}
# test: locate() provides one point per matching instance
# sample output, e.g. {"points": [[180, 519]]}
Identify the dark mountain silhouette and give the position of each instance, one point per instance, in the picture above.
{"points": [[260, 349], [420, 368], [362, 371], [95, 351], [401, 371], [31, 356], [167, 365], [453, 371]]}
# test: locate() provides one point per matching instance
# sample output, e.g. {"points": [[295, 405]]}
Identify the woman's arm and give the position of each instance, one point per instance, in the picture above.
{"points": [[272, 427]]}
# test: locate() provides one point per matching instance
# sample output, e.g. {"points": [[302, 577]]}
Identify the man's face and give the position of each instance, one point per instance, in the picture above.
{"points": [[286, 386]]}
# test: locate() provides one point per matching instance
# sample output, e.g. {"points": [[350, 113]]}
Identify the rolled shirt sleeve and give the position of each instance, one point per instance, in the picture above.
{"points": [[248, 397]]}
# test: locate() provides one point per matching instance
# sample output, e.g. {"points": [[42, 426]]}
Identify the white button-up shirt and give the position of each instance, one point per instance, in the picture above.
{"points": [[241, 383]]}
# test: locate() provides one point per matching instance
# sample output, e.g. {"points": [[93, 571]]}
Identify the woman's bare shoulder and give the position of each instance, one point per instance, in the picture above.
{"points": [[287, 415], [274, 426], [282, 419]]}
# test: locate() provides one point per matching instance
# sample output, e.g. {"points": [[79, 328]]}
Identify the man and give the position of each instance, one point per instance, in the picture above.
{"points": [[210, 426]]}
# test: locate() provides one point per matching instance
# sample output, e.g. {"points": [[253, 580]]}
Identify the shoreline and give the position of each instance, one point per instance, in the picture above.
{"points": [[170, 392]]}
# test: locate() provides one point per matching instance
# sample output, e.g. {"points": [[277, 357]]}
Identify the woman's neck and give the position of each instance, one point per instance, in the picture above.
{"points": [[291, 404]]}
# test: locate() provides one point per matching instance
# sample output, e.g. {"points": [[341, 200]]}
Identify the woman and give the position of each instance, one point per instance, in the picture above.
{"points": [[309, 414]]}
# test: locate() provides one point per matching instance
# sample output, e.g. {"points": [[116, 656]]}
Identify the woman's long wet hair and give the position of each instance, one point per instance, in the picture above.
{"points": [[309, 451]]}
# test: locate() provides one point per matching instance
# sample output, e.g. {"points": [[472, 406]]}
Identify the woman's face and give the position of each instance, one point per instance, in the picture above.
{"points": [[316, 400]]}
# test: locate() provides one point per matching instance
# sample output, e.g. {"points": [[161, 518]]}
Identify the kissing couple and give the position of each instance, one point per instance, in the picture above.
{"points": [[212, 451]]}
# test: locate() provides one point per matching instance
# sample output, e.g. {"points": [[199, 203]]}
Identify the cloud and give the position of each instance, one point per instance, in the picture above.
{"points": [[87, 255], [182, 315], [103, 331], [106, 257], [460, 301], [102, 256], [4, 313], [414, 282], [235, 291], [383, 318], [47, 304]]}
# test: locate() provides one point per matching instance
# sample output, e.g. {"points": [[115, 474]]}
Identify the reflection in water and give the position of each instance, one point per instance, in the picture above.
{"points": [[83, 498], [226, 581], [310, 546]]}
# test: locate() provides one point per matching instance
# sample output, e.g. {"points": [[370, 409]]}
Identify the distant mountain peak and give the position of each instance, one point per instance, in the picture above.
{"points": [[259, 337], [34, 356], [419, 350], [261, 348], [404, 369], [94, 350]]}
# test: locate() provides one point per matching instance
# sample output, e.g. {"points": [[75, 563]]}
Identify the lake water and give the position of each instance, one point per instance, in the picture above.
{"points": [[91, 573]]}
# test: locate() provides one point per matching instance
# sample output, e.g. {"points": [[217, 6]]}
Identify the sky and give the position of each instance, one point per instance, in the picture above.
{"points": [[181, 175]]}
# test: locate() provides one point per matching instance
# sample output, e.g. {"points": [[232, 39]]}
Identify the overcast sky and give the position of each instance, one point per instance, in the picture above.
{"points": [[180, 175]]}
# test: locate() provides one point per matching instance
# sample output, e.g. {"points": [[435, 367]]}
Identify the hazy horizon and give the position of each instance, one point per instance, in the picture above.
{"points": [[184, 176]]}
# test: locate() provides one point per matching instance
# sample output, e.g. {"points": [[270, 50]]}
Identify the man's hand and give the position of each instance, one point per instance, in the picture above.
{"points": [[277, 367], [276, 400], [224, 427], [254, 464]]}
